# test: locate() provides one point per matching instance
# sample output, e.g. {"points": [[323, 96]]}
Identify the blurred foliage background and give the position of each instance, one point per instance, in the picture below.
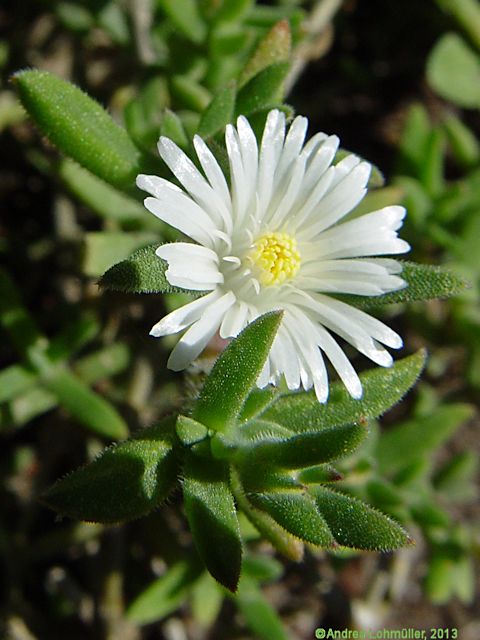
{"points": [[399, 83]]}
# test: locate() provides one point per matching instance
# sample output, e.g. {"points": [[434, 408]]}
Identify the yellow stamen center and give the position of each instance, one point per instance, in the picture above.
{"points": [[276, 257]]}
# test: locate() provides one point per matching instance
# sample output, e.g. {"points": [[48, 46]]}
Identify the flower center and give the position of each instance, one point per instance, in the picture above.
{"points": [[276, 257]]}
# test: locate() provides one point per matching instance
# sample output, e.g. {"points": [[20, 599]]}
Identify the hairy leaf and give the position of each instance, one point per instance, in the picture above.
{"points": [[303, 450], [125, 482], [219, 112], [296, 512], [235, 373], [382, 388], [211, 513], [142, 272], [264, 90], [424, 283], [355, 524], [79, 126], [274, 47]]}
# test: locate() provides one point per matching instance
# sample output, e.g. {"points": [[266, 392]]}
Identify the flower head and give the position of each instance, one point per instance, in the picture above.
{"points": [[274, 239]]}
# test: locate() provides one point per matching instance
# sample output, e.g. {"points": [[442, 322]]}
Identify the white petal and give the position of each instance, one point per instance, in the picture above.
{"points": [[234, 321], [283, 204], [288, 358], [320, 161], [216, 178], [155, 185], [194, 341], [237, 173], [190, 177], [376, 329], [338, 202], [183, 214], [186, 251], [304, 335], [292, 147], [270, 150], [340, 362], [181, 318], [249, 152], [191, 266]]}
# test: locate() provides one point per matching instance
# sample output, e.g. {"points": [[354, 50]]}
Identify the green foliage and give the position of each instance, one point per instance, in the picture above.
{"points": [[381, 389], [165, 594], [142, 272], [211, 514], [219, 112], [125, 482], [235, 373], [424, 283], [264, 90], [353, 524], [453, 70], [79, 126], [296, 512]]}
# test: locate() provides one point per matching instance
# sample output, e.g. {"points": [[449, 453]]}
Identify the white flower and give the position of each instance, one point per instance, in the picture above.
{"points": [[272, 240]]}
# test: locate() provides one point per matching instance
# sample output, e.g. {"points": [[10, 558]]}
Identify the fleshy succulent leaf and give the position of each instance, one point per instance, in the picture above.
{"points": [[126, 481], [79, 126], [296, 512], [235, 373], [382, 388], [212, 516], [356, 525]]}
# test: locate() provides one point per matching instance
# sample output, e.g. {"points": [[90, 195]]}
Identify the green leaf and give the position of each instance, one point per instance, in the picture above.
{"points": [[144, 114], [432, 169], [262, 568], [424, 281], [164, 595], [206, 599], [264, 90], [414, 140], [186, 17], [74, 16], [235, 373], [104, 363], [172, 127], [103, 199], [191, 93], [15, 380], [212, 517], [257, 402], [102, 249], [463, 141], [319, 474], [296, 512], [142, 272], [79, 126], [304, 449], [274, 47], [125, 482], [356, 525], [86, 406], [189, 431], [456, 479], [405, 442], [233, 10], [282, 541], [467, 13], [21, 327], [219, 112], [382, 388], [259, 614], [453, 70]]}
